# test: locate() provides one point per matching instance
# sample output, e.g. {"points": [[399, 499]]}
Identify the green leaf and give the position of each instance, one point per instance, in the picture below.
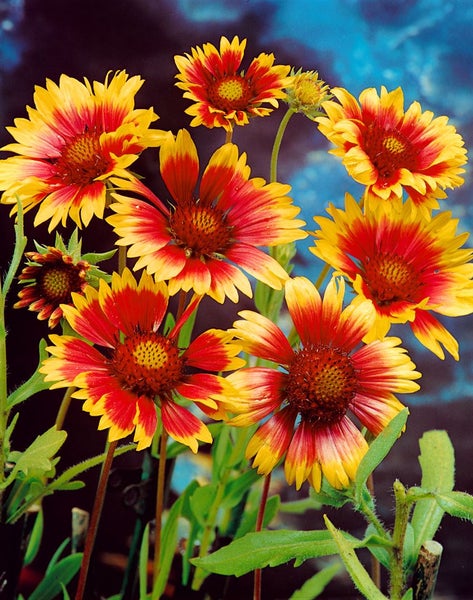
{"points": [[201, 501], [329, 496], [34, 384], [437, 462], [37, 457], [268, 548], [169, 540], [356, 570], [64, 480], [60, 575], [456, 504], [35, 538], [143, 562], [248, 521], [237, 488], [377, 545], [221, 451], [299, 507], [314, 586], [379, 448]]}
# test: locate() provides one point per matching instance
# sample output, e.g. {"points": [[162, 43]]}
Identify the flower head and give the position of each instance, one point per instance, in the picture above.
{"points": [[203, 242], [308, 396], [224, 96], [77, 137], [390, 150], [127, 368], [53, 274], [306, 92], [407, 264]]}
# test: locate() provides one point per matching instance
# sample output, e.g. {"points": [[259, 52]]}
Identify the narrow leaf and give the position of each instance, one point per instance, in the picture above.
{"points": [[356, 570], [59, 576], [35, 538], [143, 562], [268, 548], [248, 521], [379, 448], [33, 385], [314, 586], [456, 504], [169, 541]]}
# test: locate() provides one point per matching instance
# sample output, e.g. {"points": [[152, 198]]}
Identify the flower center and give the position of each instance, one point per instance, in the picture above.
{"points": [[390, 278], [147, 364], [389, 151], [82, 160], [56, 283], [231, 93], [201, 230], [322, 383]]}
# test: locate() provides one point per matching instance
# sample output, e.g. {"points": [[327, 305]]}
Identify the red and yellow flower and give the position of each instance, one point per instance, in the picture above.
{"points": [[50, 278], [203, 242], [128, 370], [223, 95], [409, 265], [390, 150], [313, 387], [77, 137]]}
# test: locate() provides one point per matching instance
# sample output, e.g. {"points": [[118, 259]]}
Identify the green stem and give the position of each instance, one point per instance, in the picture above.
{"points": [[371, 516], [159, 504], [65, 403], [375, 564], [20, 243], [399, 533], [94, 520], [273, 172]]}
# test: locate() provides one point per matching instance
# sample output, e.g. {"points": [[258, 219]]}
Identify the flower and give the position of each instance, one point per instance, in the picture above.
{"points": [[77, 137], [408, 264], [308, 396], [50, 277], [388, 150], [126, 367], [202, 243], [224, 97], [306, 92], [53, 273]]}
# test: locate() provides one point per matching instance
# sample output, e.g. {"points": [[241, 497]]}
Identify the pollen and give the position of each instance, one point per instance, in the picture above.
{"points": [[390, 278], [147, 365], [82, 160], [389, 151], [231, 93], [321, 384], [203, 231], [56, 283]]}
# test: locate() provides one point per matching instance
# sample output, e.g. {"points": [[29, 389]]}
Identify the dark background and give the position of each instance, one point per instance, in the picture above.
{"points": [[422, 46]]}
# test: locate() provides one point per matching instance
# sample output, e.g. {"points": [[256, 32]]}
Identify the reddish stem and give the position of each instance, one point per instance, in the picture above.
{"points": [[259, 527]]}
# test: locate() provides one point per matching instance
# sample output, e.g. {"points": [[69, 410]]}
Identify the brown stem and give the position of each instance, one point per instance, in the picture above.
{"points": [[259, 527], [426, 570], [94, 520]]}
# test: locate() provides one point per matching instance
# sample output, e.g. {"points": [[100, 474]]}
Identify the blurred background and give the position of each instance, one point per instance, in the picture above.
{"points": [[422, 45]]}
